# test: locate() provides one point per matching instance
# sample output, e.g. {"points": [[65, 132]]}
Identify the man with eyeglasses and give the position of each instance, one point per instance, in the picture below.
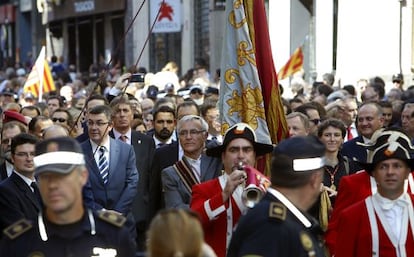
{"points": [[19, 196], [113, 176], [10, 129], [195, 167]]}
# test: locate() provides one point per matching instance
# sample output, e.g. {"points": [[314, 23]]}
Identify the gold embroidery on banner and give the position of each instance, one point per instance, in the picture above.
{"points": [[243, 53], [249, 105], [232, 16]]}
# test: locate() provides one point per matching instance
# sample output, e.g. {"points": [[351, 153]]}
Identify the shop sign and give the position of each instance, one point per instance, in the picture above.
{"points": [[84, 6], [169, 18]]}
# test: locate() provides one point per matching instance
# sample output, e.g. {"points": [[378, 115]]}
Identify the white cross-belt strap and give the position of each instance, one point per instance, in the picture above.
{"points": [[398, 243], [410, 183], [373, 185], [291, 207], [374, 227]]}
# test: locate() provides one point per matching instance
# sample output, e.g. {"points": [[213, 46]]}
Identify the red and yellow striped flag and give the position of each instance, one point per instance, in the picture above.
{"points": [[249, 89], [40, 79], [293, 65]]}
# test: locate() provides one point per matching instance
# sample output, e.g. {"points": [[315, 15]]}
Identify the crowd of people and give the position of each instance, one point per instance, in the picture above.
{"points": [[115, 167]]}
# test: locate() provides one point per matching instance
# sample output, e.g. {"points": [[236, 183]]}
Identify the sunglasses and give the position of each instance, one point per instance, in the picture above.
{"points": [[58, 119], [316, 121]]}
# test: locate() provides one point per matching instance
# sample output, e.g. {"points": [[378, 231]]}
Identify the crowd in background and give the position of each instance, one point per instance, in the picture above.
{"points": [[339, 116]]}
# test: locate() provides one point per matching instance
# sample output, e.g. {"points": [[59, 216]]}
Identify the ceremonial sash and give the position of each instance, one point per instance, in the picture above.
{"points": [[186, 174]]}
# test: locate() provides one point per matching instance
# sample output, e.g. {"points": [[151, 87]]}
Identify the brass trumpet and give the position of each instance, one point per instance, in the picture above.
{"points": [[256, 185]]}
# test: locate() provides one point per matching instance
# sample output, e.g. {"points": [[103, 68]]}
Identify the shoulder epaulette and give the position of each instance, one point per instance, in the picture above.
{"points": [[277, 211], [18, 228], [112, 218]]}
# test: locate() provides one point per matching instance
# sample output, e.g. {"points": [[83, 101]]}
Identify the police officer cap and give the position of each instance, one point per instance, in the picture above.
{"points": [[57, 155], [390, 143], [240, 130], [305, 153]]}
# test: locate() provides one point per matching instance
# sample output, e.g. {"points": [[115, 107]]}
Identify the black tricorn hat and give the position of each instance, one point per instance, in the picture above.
{"points": [[387, 144], [240, 130]]}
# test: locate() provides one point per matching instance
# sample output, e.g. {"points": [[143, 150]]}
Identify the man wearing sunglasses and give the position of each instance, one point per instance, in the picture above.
{"points": [[63, 117], [312, 113]]}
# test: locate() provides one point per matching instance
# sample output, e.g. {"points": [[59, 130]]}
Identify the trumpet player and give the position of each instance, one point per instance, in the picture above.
{"points": [[279, 224], [219, 201]]}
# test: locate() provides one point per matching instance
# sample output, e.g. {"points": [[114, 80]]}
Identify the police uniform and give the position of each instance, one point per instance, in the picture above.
{"points": [[96, 234], [272, 229], [275, 226]]}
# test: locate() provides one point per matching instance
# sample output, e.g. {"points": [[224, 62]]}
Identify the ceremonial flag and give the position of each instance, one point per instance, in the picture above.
{"points": [[40, 79], [249, 89], [293, 65]]}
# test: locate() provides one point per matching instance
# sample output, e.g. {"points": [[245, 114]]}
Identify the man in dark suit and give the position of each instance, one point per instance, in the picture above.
{"points": [[144, 149], [19, 198], [92, 101], [370, 119], [195, 167], [10, 129], [113, 176]]}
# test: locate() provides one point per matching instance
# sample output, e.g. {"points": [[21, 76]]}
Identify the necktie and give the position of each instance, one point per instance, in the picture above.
{"points": [[123, 138], [349, 136], [36, 191], [103, 164], [160, 145]]}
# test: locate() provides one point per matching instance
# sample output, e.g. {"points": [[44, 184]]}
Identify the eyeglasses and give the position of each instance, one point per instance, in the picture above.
{"points": [[24, 154], [316, 121], [91, 123], [192, 132], [58, 119]]}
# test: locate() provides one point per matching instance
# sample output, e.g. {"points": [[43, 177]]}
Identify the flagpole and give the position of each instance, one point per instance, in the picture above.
{"points": [[41, 73]]}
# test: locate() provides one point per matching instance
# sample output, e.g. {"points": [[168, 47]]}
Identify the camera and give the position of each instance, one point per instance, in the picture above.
{"points": [[137, 77]]}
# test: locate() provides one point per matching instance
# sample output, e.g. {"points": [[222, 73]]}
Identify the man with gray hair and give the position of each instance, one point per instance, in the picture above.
{"points": [[298, 124], [195, 167]]}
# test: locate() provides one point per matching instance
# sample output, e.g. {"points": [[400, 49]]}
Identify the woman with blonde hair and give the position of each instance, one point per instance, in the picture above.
{"points": [[175, 233]]}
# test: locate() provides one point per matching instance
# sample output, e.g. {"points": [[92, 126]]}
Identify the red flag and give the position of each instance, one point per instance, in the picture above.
{"points": [[293, 65], [40, 79], [275, 116], [249, 86]]}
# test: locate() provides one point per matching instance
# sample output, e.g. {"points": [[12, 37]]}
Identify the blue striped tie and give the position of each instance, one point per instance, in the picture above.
{"points": [[103, 164]]}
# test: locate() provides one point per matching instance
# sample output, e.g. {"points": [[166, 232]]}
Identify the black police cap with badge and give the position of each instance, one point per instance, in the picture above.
{"points": [[299, 154], [386, 144], [57, 155], [61, 155]]}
